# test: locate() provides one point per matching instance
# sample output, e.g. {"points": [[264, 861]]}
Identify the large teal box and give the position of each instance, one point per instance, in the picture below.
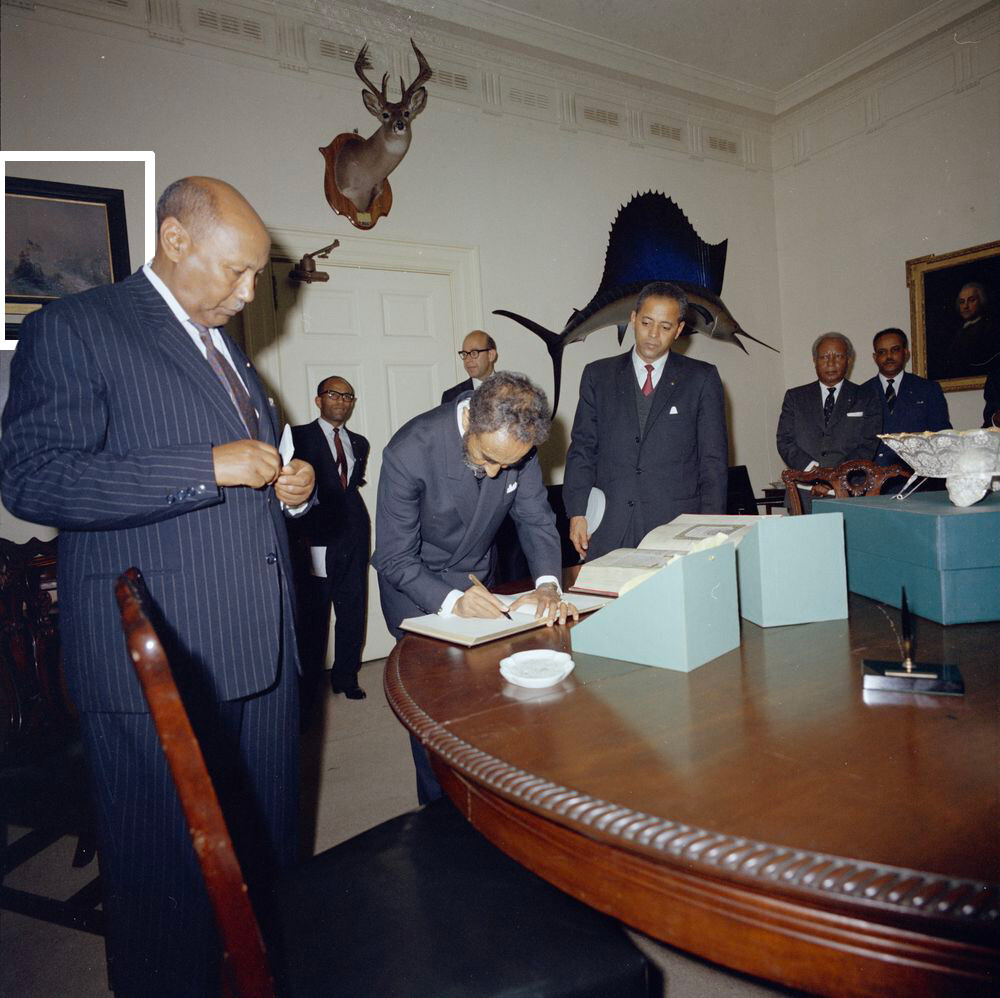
{"points": [[947, 557], [791, 571]]}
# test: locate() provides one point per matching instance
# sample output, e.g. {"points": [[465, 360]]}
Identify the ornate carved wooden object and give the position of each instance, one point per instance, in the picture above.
{"points": [[843, 480]]}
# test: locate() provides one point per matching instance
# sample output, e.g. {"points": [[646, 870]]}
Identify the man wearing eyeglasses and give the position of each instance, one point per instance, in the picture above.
{"points": [[337, 532], [830, 420], [479, 357]]}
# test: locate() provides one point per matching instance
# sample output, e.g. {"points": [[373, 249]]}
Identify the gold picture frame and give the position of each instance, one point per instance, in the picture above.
{"points": [[953, 349]]}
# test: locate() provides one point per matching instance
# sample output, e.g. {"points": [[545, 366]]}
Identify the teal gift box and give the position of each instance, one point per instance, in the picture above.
{"points": [[681, 617], [947, 557], [791, 570]]}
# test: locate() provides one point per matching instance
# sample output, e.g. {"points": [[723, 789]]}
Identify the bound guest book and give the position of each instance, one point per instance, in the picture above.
{"points": [[473, 631]]}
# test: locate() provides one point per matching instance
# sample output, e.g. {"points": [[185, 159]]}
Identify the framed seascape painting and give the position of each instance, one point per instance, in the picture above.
{"points": [[955, 315], [60, 239]]}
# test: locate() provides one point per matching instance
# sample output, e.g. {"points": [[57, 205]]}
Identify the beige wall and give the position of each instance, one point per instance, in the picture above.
{"points": [[848, 221], [817, 246]]}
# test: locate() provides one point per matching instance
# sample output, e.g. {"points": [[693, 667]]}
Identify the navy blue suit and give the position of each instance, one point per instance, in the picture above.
{"points": [[920, 405], [108, 435]]}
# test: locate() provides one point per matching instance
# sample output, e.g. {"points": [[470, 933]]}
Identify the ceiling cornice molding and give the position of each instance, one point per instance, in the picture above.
{"points": [[883, 47]]}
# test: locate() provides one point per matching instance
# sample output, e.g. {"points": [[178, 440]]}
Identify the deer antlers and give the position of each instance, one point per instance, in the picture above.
{"points": [[363, 62]]}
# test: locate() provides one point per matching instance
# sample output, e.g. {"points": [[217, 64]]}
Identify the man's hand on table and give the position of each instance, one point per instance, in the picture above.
{"points": [[549, 603]]}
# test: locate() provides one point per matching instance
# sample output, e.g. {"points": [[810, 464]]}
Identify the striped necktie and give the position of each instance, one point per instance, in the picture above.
{"points": [[828, 406], [230, 380], [890, 394], [341, 458]]}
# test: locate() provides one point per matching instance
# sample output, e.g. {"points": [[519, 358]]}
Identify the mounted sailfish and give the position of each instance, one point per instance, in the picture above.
{"points": [[651, 240]]}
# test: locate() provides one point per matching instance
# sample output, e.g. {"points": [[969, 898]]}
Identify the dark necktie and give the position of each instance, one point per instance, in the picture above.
{"points": [[828, 405], [890, 394], [341, 458], [230, 380], [647, 388]]}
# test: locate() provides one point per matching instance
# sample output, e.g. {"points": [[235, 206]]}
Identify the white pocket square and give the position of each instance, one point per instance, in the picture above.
{"points": [[511, 487], [673, 411], [855, 414]]}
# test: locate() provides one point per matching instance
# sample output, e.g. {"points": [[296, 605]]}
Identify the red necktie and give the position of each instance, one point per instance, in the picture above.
{"points": [[647, 388], [341, 458]]}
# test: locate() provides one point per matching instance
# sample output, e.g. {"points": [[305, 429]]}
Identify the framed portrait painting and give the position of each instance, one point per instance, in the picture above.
{"points": [[60, 239], [955, 315]]}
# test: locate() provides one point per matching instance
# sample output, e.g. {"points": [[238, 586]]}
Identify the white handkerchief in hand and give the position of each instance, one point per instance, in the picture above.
{"points": [[673, 411], [286, 446]]}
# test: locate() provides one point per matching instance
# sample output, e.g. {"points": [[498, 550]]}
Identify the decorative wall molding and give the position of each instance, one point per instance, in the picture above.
{"points": [[485, 72]]}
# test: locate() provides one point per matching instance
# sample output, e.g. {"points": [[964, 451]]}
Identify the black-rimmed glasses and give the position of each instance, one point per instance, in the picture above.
{"points": [[473, 353], [333, 396]]}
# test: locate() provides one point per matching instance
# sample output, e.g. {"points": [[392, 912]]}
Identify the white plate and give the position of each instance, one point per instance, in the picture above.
{"points": [[536, 669]]}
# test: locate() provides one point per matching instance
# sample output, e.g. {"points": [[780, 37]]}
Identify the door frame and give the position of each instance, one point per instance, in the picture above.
{"points": [[459, 264]]}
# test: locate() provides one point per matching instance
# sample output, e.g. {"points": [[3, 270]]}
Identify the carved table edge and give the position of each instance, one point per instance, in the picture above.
{"points": [[821, 876]]}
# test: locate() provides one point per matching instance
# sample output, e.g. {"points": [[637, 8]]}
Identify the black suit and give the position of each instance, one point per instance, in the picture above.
{"points": [[108, 435], [850, 434], [920, 405], [678, 464], [340, 523], [459, 389]]}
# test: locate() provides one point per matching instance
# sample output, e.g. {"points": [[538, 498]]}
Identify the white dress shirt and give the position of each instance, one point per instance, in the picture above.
{"points": [[896, 381], [344, 439], [639, 366]]}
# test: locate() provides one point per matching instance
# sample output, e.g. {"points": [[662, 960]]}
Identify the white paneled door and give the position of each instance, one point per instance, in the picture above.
{"points": [[389, 320]]}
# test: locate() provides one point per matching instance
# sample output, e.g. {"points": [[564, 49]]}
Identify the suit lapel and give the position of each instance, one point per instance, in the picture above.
{"points": [[844, 404], [463, 481], [166, 335], [326, 463], [260, 400], [490, 493], [672, 375], [360, 447], [625, 392]]}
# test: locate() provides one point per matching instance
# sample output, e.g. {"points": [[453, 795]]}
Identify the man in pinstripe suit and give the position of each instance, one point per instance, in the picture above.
{"points": [[142, 432]]}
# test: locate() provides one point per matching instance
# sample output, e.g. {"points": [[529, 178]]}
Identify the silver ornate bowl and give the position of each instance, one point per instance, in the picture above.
{"points": [[966, 459]]}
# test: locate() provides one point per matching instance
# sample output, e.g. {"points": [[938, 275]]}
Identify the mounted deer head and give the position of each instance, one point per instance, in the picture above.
{"points": [[361, 166]]}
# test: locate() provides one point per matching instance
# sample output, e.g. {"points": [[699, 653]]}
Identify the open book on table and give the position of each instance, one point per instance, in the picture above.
{"points": [[619, 570], [471, 631]]}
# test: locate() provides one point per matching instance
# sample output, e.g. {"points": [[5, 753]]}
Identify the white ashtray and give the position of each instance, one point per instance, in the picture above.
{"points": [[536, 669]]}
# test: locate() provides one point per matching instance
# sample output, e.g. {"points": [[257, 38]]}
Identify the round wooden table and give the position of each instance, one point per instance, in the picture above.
{"points": [[763, 812]]}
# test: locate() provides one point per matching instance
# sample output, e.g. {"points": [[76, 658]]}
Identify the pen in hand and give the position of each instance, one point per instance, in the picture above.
{"points": [[483, 588]]}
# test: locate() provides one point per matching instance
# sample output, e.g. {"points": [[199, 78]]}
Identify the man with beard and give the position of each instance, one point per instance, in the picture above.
{"points": [[448, 479]]}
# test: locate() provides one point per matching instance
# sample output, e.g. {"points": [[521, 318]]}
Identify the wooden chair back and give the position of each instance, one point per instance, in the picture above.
{"points": [[844, 480], [246, 970]]}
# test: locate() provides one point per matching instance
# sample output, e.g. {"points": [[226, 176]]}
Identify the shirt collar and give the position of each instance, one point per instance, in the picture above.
{"points": [[640, 365], [825, 389], [896, 381], [165, 293]]}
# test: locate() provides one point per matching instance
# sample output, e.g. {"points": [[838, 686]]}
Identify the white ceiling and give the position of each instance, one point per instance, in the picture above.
{"points": [[765, 55]]}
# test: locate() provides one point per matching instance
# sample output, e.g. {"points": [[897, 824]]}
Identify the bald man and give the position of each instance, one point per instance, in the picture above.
{"points": [[479, 358], [141, 431]]}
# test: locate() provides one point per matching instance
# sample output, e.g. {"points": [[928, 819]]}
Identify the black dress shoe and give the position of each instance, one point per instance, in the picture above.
{"points": [[354, 692]]}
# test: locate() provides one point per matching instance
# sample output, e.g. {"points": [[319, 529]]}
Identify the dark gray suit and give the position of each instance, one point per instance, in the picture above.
{"points": [[678, 464], [108, 435], [434, 524], [851, 433]]}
